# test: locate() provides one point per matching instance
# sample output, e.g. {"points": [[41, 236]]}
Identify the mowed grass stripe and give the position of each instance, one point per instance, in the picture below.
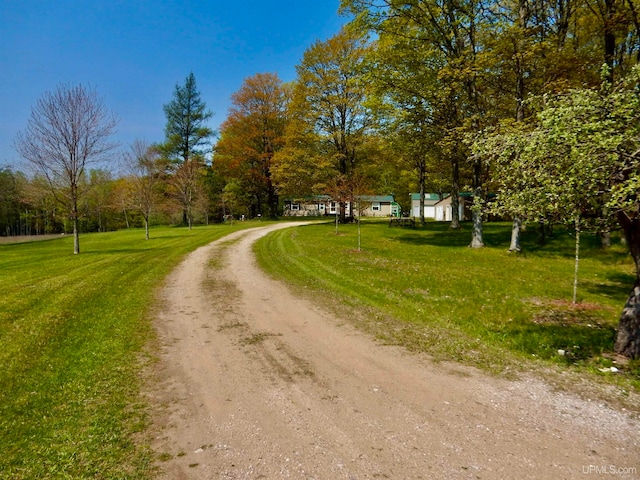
{"points": [[73, 333], [425, 289]]}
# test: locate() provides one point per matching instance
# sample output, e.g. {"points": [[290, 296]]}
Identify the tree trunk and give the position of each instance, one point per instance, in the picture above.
{"points": [[628, 335], [76, 232], [609, 23], [516, 228], [272, 199], [476, 234], [146, 228], [76, 237], [577, 263], [359, 231], [476, 231], [455, 194], [542, 232], [422, 192]]}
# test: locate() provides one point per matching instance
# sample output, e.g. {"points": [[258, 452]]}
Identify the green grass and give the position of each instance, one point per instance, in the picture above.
{"points": [[73, 332], [425, 289]]}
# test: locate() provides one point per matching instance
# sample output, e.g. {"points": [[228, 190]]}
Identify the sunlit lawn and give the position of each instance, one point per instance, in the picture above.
{"points": [[425, 289], [73, 331]]}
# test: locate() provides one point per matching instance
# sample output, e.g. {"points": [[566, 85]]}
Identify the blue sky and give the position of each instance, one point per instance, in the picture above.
{"points": [[133, 53]]}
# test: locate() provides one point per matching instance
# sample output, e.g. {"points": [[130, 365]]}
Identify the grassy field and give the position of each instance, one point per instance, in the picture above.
{"points": [[73, 331], [423, 288]]}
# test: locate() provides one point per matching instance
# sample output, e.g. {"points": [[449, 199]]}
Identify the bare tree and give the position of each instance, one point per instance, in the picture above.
{"points": [[68, 130], [185, 185], [146, 166]]}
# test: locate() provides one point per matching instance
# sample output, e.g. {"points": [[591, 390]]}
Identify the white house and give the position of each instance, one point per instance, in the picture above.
{"points": [[430, 201], [437, 207]]}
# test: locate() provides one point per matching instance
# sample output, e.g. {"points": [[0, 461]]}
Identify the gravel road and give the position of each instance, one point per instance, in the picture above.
{"points": [[254, 383]]}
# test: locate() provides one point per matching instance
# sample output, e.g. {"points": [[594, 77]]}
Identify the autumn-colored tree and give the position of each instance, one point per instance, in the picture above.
{"points": [[250, 137], [300, 169]]}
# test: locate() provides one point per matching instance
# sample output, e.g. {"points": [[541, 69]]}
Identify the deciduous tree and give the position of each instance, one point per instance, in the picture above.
{"points": [[329, 103], [69, 129], [146, 168], [437, 40], [250, 137], [582, 155]]}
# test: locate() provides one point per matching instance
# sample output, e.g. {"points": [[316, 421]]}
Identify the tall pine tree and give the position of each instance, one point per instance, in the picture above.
{"points": [[186, 131], [187, 138]]}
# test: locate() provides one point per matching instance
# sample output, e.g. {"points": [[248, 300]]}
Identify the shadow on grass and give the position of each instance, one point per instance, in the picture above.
{"points": [[619, 285], [439, 234], [498, 235], [545, 339]]}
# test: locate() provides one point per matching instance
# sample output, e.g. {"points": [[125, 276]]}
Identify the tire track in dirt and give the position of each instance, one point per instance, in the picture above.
{"points": [[256, 383]]}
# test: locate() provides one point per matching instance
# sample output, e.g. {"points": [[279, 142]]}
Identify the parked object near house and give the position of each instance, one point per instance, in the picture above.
{"points": [[321, 205]]}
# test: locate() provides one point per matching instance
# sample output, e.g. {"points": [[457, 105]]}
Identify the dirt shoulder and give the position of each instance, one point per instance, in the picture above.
{"points": [[256, 383]]}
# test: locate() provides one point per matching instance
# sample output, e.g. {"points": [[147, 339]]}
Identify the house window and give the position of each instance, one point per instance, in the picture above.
{"points": [[333, 207], [375, 207], [295, 206]]}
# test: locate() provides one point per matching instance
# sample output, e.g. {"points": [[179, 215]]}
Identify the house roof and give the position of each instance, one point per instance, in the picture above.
{"points": [[427, 196], [366, 198], [434, 197], [378, 198]]}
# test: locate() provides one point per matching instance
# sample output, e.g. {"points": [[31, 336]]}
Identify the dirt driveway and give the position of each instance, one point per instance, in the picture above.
{"points": [[258, 384]]}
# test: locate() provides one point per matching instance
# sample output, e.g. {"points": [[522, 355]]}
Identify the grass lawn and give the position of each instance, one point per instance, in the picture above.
{"points": [[73, 331], [423, 288]]}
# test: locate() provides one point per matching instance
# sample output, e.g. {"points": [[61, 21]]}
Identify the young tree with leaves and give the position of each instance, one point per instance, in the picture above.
{"points": [[583, 154], [69, 130]]}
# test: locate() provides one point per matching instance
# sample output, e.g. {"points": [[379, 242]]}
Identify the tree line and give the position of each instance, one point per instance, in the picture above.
{"points": [[533, 101]]}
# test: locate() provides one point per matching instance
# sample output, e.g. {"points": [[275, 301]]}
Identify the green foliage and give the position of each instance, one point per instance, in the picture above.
{"points": [[579, 157], [186, 131], [328, 108], [73, 331], [424, 289]]}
